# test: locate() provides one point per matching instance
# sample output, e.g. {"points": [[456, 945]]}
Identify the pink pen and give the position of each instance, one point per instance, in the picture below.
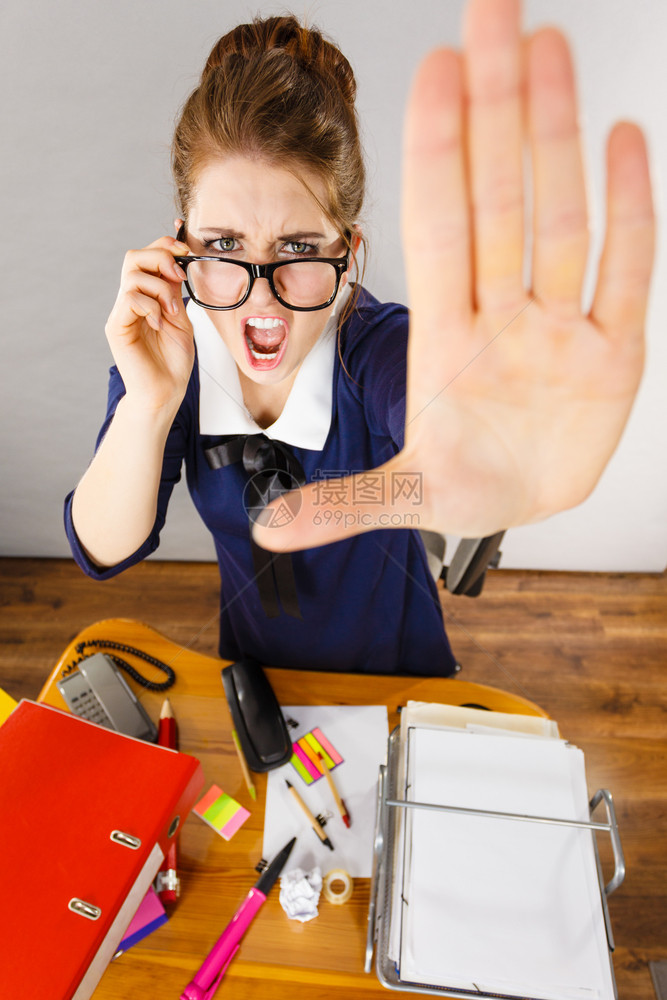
{"points": [[209, 976]]}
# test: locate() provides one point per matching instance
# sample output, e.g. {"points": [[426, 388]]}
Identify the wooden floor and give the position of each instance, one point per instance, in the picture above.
{"points": [[591, 649]]}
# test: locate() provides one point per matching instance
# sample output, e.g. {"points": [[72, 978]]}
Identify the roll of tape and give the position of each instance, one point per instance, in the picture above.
{"points": [[332, 878]]}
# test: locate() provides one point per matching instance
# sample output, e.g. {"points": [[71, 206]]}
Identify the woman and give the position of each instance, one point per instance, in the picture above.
{"points": [[514, 400]]}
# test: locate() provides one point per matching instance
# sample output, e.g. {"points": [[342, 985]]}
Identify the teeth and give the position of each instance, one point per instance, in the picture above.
{"points": [[263, 356], [263, 322]]}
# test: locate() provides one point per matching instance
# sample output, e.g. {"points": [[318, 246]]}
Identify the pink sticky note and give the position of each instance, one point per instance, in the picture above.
{"points": [[223, 813], [324, 743]]}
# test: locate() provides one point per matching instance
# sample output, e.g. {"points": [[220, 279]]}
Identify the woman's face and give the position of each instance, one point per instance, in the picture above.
{"points": [[245, 209]]}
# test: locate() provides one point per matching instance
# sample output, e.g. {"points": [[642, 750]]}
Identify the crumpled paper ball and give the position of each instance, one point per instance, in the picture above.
{"points": [[300, 893]]}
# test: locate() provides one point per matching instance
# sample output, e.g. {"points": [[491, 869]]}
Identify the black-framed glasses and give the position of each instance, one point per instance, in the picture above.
{"points": [[304, 285]]}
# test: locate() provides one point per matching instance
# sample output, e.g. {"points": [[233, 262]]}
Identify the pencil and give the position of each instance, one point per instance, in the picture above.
{"points": [[342, 808], [316, 825], [244, 766]]}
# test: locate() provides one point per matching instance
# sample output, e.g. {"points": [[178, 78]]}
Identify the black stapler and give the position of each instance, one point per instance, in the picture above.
{"points": [[257, 716]]}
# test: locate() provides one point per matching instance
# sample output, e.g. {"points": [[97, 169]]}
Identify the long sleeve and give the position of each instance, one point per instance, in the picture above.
{"points": [[171, 474]]}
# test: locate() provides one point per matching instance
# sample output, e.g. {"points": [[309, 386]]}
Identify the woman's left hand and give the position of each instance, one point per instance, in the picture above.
{"points": [[516, 400]]}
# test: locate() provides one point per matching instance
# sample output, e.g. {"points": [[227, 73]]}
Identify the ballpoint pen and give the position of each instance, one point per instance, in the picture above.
{"points": [[313, 820], [342, 808], [167, 883], [209, 976]]}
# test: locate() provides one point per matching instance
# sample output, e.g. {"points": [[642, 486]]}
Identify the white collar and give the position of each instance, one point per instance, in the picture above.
{"points": [[306, 416]]}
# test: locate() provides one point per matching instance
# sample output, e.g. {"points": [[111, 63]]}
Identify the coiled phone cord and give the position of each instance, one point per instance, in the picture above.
{"points": [[124, 665]]}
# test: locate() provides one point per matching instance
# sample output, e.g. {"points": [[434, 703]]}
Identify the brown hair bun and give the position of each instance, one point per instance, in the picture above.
{"points": [[307, 48]]}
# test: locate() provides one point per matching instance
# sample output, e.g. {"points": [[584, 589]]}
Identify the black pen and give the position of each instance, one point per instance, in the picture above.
{"points": [[314, 822]]}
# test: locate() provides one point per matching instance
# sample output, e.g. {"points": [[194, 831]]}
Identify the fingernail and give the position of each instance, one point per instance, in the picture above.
{"points": [[174, 306], [179, 272]]}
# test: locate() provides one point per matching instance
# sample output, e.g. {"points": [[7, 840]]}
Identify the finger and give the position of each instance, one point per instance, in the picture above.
{"points": [[493, 80], [170, 243], [168, 295], [435, 213], [621, 296], [140, 306], [134, 305], [334, 509], [155, 260], [560, 218]]}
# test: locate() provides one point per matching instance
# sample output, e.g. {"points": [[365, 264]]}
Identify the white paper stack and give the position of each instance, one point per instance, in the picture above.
{"points": [[496, 905]]}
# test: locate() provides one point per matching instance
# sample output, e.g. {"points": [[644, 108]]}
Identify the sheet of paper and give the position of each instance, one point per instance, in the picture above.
{"points": [[429, 715], [424, 713], [359, 735], [500, 905]]}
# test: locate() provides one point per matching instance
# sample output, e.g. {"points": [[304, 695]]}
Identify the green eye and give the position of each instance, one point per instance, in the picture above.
{"points": [[227, 243], [299, 248]]}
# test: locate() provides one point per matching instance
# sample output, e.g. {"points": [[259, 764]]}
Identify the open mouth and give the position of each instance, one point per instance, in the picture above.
{"points": [[266, 340]]}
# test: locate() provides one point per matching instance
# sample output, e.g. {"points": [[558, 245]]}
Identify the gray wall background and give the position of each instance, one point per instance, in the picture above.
{"points": [[89, 93]]}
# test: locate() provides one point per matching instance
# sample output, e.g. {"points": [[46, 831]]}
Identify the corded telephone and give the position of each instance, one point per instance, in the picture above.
{"points": [[97, 691]]}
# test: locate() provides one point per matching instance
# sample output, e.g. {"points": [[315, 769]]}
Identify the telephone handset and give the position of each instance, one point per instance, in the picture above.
{"points": [[97, 691]]}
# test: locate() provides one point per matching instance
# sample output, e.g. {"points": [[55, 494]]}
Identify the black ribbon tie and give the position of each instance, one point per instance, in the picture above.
{"points": [[272, 469]]}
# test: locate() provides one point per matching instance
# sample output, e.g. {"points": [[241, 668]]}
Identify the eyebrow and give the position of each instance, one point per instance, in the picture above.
{"points": [[229, 231]]}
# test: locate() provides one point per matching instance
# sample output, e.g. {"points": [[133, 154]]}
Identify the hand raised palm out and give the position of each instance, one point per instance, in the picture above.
{"points": [[515, 399]]}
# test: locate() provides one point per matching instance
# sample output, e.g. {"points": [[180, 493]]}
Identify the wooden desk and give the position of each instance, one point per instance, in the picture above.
{"points": [[280, 958]]}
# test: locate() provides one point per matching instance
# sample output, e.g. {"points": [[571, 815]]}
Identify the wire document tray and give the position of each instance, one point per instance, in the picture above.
{"points": [[391, 810]]}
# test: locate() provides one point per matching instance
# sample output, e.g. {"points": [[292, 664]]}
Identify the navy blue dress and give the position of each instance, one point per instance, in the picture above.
{"points": [[368, 604]]}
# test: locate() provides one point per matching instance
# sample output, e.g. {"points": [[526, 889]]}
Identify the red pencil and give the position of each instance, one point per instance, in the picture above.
{"points": [[167, 883]]}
